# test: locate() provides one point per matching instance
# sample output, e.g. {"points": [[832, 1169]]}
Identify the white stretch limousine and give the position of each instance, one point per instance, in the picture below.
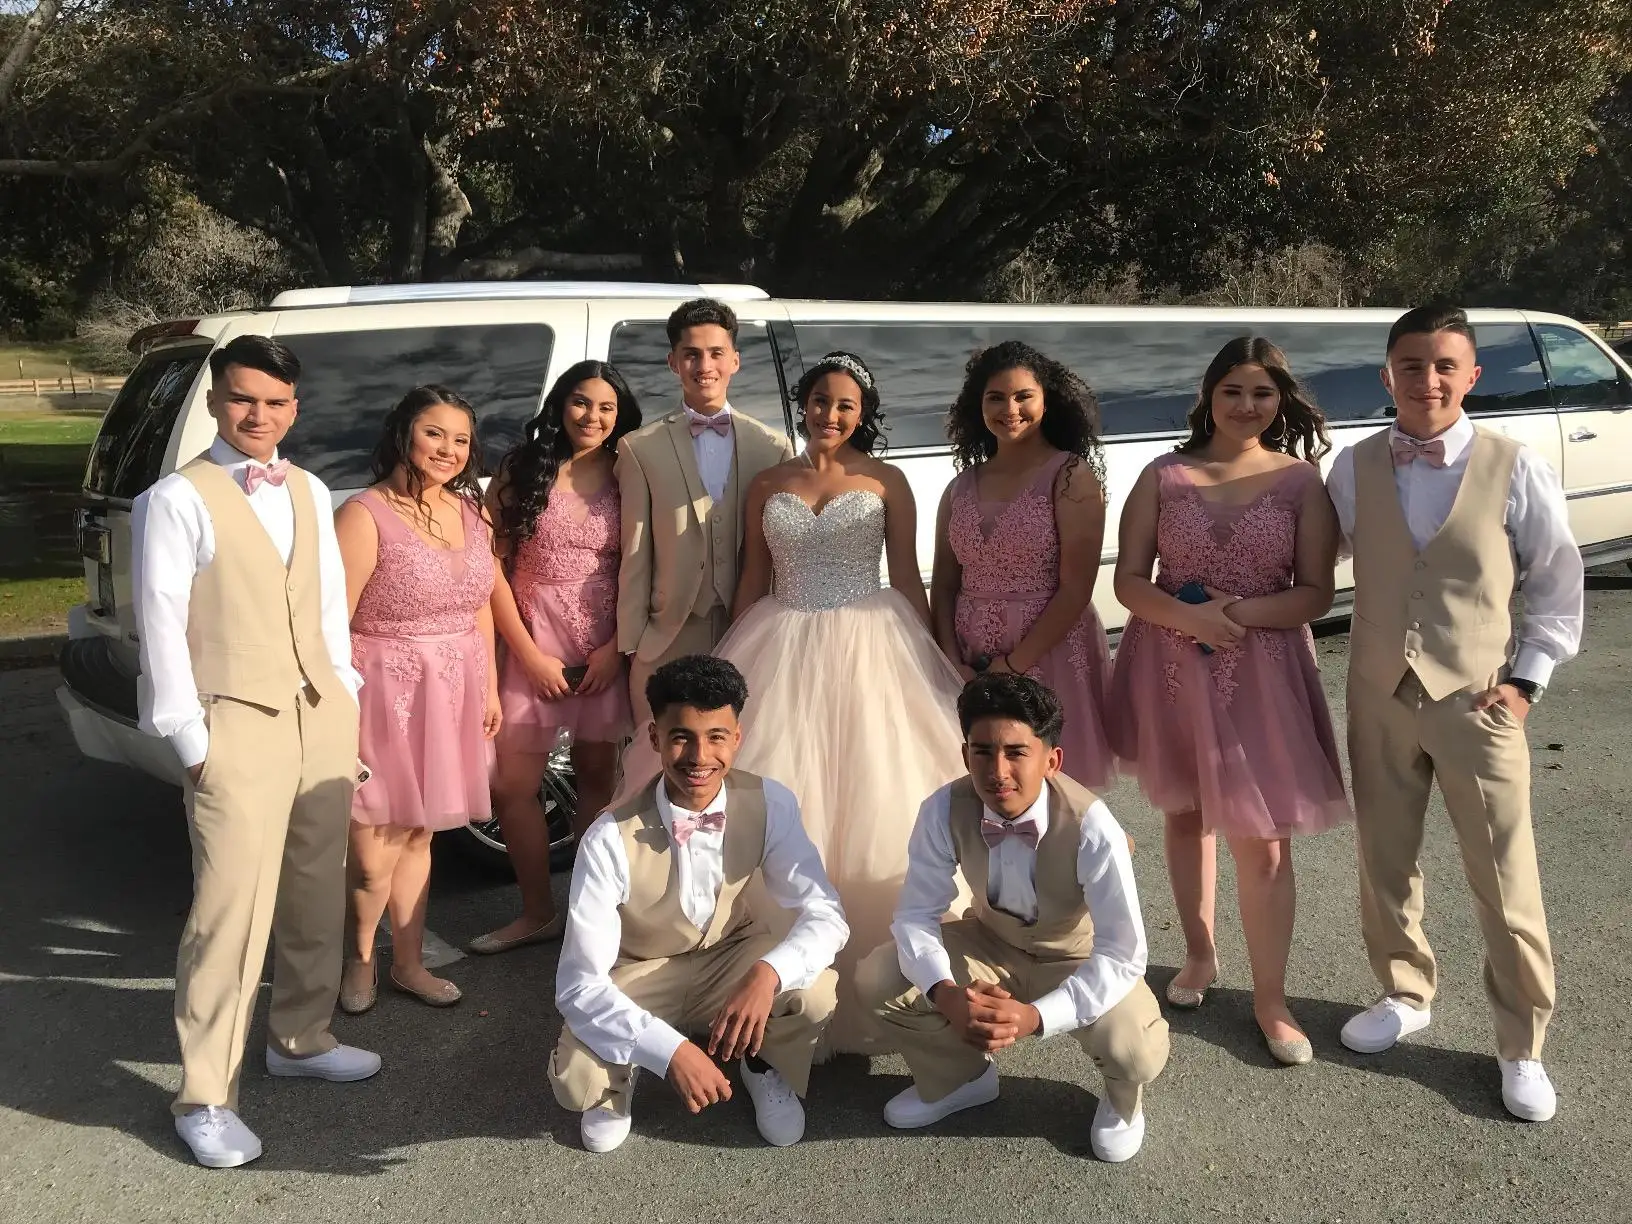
{"points": [[1547, 382]]}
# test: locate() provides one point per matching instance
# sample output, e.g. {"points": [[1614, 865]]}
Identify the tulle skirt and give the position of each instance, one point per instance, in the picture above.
{"points": [[1242, 735]]}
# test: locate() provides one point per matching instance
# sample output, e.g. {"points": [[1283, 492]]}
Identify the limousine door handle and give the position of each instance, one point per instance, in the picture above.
{"points": [[1582, 435]]}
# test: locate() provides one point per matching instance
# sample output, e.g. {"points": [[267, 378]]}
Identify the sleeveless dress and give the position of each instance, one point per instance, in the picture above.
{"points": [[1242, 735], [565, 580], [852, 706], [415, 642], [1010, 556]]}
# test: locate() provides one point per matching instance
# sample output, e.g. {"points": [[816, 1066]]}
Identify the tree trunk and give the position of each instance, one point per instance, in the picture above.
{"points": [[448, 207], [34, 28]]}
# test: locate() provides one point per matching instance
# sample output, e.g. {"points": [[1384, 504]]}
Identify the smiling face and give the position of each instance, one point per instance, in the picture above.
{"points": [[1245, 403], [253, 410], [439, 443], [590, 414], [832, 411], [1012, 405], [696, 748], [1008, 764], [1429, 374], [704, 360]]}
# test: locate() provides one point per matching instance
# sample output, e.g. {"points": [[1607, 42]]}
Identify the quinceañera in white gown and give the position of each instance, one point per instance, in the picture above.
{"points": [[852, 705]]}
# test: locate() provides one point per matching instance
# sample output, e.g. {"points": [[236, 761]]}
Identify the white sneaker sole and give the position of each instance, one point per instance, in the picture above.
{"points": [[940, 1110], [225, 1160], [1419, 1021], [295, 1068]]}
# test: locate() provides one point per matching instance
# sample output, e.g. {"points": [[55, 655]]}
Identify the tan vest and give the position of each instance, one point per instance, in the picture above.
{"points": [[1442, 613], [254, 625], [655, 925], [718, 587], [1063, 930]]}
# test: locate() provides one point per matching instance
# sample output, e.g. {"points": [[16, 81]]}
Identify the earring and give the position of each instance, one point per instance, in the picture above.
{"points": [[1207, 424]]}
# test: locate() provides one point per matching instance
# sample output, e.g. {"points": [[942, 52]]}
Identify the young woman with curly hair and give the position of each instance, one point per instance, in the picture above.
{"points": [[1018, 540]]}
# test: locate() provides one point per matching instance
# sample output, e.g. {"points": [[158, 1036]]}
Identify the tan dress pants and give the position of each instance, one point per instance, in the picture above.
{"points": [[268, 823], [1399, 743], [639, 767], [1129, 1043], [688, 992]]}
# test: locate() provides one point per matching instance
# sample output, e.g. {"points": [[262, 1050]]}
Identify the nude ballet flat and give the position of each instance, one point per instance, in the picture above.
{"points": [[1188, 998], [487, 945], [445, 994], [1293, 1053], [356, 1002]]}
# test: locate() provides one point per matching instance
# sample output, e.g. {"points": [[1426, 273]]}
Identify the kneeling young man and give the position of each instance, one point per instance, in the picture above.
{"points": [[1054, 943], [660, 942]]}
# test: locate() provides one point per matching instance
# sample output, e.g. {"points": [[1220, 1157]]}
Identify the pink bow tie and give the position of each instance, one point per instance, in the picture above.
{"points": [[720, 423], [1404, 449], [994, 831], [274, 474], [708, 822]]}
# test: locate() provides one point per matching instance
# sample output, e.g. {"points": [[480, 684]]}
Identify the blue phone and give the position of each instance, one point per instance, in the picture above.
{"points": [[1195, 593]]}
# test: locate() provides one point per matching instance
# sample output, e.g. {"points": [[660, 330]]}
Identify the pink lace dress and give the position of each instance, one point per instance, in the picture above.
{"points": [[565, 580], [415, 641], [1242, 735], [1010, 556]]}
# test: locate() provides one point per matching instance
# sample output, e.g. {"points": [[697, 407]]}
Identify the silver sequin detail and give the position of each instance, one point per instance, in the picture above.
{"points": [[829, 559]]}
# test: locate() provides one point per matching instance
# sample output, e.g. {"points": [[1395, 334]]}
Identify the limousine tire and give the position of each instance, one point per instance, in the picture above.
{"points": [[483, 844]]}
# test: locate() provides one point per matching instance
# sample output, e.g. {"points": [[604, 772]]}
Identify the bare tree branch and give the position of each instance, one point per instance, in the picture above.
{"points": [[34, 28]]}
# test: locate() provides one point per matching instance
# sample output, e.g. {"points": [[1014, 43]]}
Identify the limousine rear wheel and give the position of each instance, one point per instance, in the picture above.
{"points": [[483, 843]]}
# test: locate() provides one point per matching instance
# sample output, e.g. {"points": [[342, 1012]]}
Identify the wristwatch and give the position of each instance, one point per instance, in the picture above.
{"points": [[1529, 688]]}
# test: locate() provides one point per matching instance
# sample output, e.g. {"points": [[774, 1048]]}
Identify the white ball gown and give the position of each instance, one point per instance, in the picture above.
{"points": [[852, 706]]}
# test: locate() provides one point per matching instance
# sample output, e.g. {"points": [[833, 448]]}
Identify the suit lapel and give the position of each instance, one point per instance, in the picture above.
{"points": [[686, 454]]}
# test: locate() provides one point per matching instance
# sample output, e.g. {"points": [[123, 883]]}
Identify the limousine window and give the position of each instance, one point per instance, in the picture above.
{"points": [[350, 380], [1147, 375], [640, 351], [129, 450], [1583, 377]]}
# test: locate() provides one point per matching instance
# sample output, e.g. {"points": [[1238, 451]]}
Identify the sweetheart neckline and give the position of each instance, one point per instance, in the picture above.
{"points": [[828, 504]]}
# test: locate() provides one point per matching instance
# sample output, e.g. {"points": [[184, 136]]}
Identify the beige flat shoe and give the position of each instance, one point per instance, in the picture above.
{"points": [[488, 945], [443, 994], [1293, 1053], [1188, 998], [356, 1002]]}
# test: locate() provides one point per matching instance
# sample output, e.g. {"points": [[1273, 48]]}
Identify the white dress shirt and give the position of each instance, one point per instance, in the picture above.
{"points": [[714, 451], [607, 1020], [1104, 869], [1549, 566], [172, 539]]}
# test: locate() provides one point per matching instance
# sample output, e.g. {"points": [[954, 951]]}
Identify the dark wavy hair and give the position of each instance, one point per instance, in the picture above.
{"points": [[396, 444], [530, 468], [1005, 695], [703, 682], [1299, 426], [868, 437], [1070, 410]]}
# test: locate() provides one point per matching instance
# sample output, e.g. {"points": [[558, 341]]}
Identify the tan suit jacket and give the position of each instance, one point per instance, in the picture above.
{"points": [[666, 551]]}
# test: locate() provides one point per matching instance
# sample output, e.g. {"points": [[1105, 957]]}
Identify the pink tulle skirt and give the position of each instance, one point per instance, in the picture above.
{"points": [[1242, 735], [422, 707]]}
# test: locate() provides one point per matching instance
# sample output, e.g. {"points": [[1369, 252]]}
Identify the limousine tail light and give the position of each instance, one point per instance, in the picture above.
{"points": [[147, 337]]}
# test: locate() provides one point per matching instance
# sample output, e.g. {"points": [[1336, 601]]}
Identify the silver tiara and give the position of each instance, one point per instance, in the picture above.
{"points": [[851, 366]]}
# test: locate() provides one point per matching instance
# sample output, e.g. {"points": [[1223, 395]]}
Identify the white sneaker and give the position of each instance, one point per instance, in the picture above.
{"points": [[907, 1110], [340, 1065], [1526, 1090], [218, 1137], [1382, 1024], [602, 1129], [777, 1109], [1113, 1138]]}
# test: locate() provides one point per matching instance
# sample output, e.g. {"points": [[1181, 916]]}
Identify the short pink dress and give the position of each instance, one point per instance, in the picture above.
{"points": [[1010, 556], [1242, 735], [565, 579], [424, 663]]}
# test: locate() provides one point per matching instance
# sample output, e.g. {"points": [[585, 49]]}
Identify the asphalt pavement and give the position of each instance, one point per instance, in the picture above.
{"points": [[460, 1124]]}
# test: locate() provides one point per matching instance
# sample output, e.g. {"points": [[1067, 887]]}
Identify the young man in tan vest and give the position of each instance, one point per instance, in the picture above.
{"points": [[682, 480], [1054, 944], [1445, 521], [661, 944], [246, 670]]}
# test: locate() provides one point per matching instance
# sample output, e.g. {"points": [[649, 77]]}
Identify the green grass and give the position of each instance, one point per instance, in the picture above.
{"points": [[41, 429], [42, 457], [37, 605], [47, 361]]}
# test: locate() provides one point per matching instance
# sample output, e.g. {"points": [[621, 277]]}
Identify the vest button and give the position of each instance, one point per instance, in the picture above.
{"points": [[1410, 654], [1416, 624], [1422, 565], [1416, 594]]}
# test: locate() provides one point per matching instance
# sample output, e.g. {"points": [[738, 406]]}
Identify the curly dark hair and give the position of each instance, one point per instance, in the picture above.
{"points": [[530, 468], [701, 312], [396, 445], [1005, 695], [1300, 424], [703, 682], [868, 437], [1070, 409]]}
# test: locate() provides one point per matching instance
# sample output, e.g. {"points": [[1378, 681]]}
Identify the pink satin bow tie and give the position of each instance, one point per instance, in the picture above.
{"points": [[994, 831], [720, 423], [1431, 452], [274, 474], [708, 822]]}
